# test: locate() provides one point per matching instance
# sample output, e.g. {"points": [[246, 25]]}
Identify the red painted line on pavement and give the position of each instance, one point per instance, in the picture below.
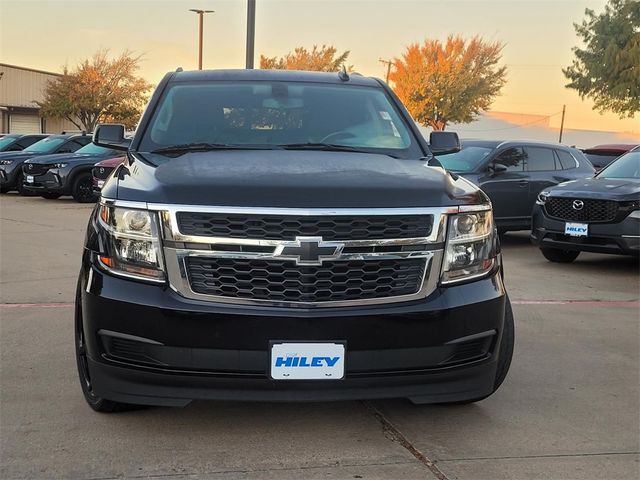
{"points": [[603, 303], [36, 305]]}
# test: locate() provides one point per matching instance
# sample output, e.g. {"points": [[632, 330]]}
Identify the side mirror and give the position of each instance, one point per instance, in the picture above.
{"points": [[497, 169], [111, 135], [442, 143]]}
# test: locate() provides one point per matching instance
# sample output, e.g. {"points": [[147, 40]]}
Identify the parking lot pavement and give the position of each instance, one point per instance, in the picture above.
{"points": [[569, 408]]}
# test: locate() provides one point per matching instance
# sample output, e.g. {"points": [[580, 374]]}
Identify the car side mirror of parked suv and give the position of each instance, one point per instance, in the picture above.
{"points": [[442, 143], [111, 135], [497, 169]]}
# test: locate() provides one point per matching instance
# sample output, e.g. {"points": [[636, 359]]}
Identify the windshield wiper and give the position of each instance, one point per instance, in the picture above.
{"points": [[205, 147], [319, 146], [330, 147]]}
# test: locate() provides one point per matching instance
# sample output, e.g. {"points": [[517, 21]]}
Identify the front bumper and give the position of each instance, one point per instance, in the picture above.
{"points": [[148, 345], [9, 175], [621, 238], [47, 182]]}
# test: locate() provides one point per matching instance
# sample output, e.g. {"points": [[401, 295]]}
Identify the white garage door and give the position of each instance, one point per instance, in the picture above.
{"points": [[21, 123]]}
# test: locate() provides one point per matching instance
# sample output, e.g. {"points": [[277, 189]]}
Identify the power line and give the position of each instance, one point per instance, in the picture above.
{"points": [[546, 117]]}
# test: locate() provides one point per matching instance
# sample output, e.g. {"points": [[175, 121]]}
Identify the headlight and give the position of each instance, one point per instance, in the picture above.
{"points": [[6, 162], [542, 197], [134, 243], [59, 165], [471, 247]]}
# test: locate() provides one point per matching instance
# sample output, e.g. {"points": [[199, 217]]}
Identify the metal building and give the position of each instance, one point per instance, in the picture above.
{"points": [[20, 89]]}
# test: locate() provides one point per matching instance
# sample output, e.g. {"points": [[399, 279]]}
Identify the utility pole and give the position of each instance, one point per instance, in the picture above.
{"points": [[564, 107], [251, 32], [200, 28], [388, 63]]}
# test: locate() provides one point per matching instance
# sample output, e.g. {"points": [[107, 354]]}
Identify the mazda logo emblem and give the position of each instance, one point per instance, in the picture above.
{"points": [[308, 250], [578, 204], [30, 166], [101, 169]]}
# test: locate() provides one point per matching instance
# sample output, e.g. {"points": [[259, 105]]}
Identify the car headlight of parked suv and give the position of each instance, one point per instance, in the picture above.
{"points": [[470, 250], [6, 162], [133, 248], [59, 165], [542, 197]]}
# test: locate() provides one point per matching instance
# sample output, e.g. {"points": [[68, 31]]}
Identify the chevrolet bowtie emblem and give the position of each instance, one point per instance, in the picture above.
{"points": [[308, 250]]}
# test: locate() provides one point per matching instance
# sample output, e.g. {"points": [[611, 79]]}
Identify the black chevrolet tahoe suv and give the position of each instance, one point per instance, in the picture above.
{"points": [[287, 236]]}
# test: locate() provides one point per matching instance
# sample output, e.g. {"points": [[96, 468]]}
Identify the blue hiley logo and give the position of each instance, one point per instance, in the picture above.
{"points": [[576, 229], [306, 361]]}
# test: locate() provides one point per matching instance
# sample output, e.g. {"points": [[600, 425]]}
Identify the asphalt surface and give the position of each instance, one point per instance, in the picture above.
{"points": [[569, 409]]}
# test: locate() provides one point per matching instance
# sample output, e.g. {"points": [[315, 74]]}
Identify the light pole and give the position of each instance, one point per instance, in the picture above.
{"points": [[388, 63], [251, 32], [200, 22]]}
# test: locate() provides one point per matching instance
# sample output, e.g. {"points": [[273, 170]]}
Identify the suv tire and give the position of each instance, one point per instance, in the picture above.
{"points": [[82, 190], [504, 360], [96, 403], [559, 256]]}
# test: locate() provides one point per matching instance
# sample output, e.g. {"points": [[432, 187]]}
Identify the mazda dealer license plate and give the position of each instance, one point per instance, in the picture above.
{"points": [[576, 229], [29, 178], [307, 361]]}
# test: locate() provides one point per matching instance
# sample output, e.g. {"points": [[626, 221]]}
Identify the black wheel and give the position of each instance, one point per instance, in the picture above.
{"points": [[558, 255], [51, 196], [96, 403], [502, 230], [505, 354], [82, 190]]}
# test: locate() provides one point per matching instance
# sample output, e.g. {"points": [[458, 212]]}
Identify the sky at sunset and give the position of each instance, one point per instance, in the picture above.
{"points": [[538, 37]]}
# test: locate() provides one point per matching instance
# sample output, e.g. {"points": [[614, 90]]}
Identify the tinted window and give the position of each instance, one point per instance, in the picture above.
{"points": [[95, 149], [6, 141], [512, 158], [466, 160], [540, 159], [46, 145], [627, 166], [565, 159], [275, 113], [71, 146]]}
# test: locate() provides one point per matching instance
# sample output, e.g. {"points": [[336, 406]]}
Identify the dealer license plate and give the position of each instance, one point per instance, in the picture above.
{"points": [[100, 183], [29, 178], [307, 361], [576, 229]]}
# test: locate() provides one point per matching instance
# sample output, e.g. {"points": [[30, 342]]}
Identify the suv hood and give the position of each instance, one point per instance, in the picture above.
{"points": [[21, 156], [88, 158], [284, 178], [601, 188]]}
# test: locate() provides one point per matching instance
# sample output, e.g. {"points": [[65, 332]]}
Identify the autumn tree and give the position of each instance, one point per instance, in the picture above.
{"points": [[319, 59], [607, 70], [451, 82], [99, 89]]}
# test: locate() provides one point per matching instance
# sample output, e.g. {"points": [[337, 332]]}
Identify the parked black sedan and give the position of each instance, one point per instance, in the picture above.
{"points": [[513, 173], [600, 214], [15, 142], [11, 162], [52, 176]]}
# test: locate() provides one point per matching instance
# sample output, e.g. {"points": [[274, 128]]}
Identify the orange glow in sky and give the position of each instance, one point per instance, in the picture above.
{"points": [[538, 37]]}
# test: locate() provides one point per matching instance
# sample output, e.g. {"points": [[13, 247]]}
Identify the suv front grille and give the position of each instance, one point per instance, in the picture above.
{"points": [[284, 281], [592, 211], [284, 227], [35, 168]]}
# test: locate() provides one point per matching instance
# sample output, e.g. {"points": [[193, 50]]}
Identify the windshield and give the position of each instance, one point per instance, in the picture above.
{"points": [[466, 160], [46, 145], [94, 149], [276, 114], [627, 166], [8, 140]]}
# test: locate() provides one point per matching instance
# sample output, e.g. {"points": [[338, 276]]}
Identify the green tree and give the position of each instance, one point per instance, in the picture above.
{"points": [[97, 90], [319, 59], [451, 82], [607, 70]]}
